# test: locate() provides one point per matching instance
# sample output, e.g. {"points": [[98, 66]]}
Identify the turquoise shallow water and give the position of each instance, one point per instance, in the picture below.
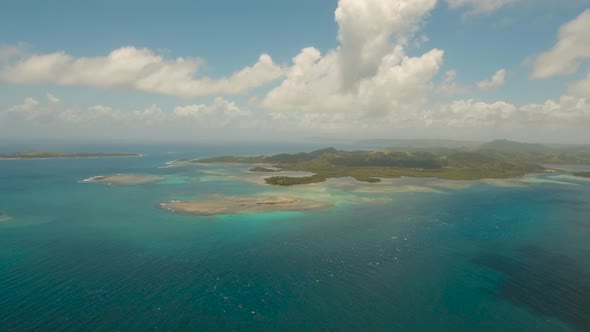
{"points": [[78, 256]]}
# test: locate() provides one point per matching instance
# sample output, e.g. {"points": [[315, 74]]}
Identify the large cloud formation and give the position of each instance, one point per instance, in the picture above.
{"points": [[58, 119], [369, 73], [367, 85], [389, 91], [138, 69]]}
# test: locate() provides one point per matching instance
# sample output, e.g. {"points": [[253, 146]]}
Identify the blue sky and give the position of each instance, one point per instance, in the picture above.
{"points": [[223, 37], [228, 34], [214, 30]]}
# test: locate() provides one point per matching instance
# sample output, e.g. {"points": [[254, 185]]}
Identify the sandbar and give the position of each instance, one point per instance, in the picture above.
{"points": [[218, 204], [123, 179], [4, 217], [260, 169]]}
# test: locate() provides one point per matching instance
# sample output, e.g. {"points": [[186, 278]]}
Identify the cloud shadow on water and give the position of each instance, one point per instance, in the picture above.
{"points": [[548, 284]]}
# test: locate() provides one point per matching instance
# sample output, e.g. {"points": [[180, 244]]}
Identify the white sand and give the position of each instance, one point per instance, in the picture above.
{"points": [[218, 204], [124, 179]]}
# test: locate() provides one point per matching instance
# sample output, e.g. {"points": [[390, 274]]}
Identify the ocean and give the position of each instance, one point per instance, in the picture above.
{"points": [[406, 255]]}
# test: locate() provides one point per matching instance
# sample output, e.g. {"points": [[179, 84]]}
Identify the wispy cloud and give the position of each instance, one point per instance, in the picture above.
{"points": [[475, 7]]}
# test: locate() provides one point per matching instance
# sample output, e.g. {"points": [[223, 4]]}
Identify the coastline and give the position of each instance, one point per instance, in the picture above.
{"points": [[301, 176]]}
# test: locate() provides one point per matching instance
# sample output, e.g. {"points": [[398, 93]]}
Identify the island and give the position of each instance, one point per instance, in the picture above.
{"points": [[371, 166], [4, 217], [500, 159], [123, 179], [218, 204], [58, 155], [583, 174]]}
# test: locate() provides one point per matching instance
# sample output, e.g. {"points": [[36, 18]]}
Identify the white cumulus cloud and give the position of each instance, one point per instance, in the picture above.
{"points": [[566, 119], [138, 69], [366, 30], [52, 98], [573, 46], [568, 111], [220, 114], [220, 118], [369, 74], [496, 81], [29, 104]]}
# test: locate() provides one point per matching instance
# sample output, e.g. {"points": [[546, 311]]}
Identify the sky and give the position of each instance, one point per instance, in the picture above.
{"points": [[292, 70]]}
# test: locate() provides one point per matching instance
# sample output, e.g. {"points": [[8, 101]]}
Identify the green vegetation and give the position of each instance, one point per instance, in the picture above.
{"points": [[39, 155], [259, 169], [545, 154], [231, 159], [413, 144], [496, 160], [538, 153], [583, 174], [291, 180]]}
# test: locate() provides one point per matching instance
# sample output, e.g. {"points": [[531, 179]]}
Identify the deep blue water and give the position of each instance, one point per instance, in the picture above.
{"points": [[78, 256]]}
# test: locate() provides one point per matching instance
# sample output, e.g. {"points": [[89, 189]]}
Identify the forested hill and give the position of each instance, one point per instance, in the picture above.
{"points": [[372, 165]]}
